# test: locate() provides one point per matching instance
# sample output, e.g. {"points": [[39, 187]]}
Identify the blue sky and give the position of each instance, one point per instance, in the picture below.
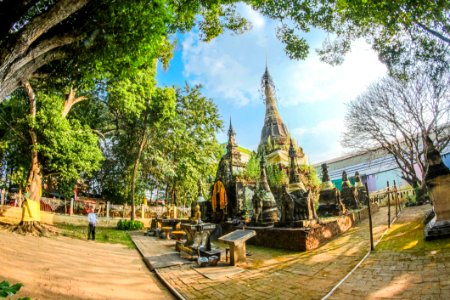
{"points": [[311, 95]]}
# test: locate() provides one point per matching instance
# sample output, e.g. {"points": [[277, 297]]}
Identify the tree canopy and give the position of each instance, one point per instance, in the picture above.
{"points": [[90, 40], [94, 39], [169, 147], [66, 147], [396, 116], [401, 32]]}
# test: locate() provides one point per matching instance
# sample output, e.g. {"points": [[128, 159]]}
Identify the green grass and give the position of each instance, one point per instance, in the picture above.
{"points": [[102, 234], [410, 237]]}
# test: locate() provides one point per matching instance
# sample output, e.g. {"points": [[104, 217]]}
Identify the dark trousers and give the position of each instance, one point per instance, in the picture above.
{"points": [[91, 231]]}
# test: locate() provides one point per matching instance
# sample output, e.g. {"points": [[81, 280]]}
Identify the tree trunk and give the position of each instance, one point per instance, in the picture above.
{"points": [[421, 193], [134, 175], [31, 213]]}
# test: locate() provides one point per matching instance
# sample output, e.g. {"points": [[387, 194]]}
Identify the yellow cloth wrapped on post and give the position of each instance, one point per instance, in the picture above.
{"points": [[31, 211], [219, 188]]}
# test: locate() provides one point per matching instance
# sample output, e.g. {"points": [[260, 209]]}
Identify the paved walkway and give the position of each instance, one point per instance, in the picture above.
{"points": [[403, 266], [269, 273]]}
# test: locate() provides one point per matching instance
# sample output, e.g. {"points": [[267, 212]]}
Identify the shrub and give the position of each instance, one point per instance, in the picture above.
{"points": [[6, 289], [130, 225], [411, 200]]}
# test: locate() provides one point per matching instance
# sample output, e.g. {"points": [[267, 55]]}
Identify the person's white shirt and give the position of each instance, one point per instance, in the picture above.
{"points": [[92, 218]]}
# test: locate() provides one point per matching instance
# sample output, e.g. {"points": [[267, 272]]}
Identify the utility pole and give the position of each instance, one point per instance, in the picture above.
{"points": [[389, 205]]}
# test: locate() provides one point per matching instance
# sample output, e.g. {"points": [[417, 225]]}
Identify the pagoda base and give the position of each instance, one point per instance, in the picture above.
{"points": [[437, 229]]}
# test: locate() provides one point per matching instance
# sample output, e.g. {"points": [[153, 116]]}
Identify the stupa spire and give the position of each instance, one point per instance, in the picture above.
{"points": [[294, 177], [231, 131], [232, 146], [231, 138], [264, 184], [273, 125]]}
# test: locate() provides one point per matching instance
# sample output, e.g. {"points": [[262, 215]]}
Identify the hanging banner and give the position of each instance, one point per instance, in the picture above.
{"points": [[219, 190]]}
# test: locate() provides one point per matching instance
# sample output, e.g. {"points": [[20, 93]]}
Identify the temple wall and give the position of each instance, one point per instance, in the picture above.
{"points": [[304, 239]]}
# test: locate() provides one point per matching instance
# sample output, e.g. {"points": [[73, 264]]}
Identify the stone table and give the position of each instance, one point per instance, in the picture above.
{"points": [[236, 240]]}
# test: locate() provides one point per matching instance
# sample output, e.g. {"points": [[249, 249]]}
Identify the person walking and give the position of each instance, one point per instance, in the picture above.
{"points": [[92, 219]]}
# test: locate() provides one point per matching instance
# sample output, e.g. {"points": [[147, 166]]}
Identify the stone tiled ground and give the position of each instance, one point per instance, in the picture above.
{"points": [[403, 266], [277, 274]]}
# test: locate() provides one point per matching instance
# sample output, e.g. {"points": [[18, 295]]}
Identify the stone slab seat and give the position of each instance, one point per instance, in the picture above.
{"points": [[178, 234]]}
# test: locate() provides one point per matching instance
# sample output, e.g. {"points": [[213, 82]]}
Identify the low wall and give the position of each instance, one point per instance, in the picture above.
{"points": [[304, 239], [13, 215]]}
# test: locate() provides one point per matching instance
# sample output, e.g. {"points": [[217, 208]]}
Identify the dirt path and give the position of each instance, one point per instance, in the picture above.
{"points": [[64, 268]]}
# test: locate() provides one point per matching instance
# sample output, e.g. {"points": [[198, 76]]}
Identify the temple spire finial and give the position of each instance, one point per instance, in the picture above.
{"points": [[266, 61], [231, 131]]}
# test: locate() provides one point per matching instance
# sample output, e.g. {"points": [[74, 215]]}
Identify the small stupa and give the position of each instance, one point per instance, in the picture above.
{"points": [[303, 201], [348, 193], [230, 167], [263, 197], [360, 189], [329, 197]]}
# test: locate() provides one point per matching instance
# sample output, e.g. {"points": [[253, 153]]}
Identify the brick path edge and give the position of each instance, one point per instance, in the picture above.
{"points": [[174, 292]]}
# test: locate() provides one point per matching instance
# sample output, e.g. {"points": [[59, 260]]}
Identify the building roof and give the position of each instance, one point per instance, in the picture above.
{"points": [[365, 162]]}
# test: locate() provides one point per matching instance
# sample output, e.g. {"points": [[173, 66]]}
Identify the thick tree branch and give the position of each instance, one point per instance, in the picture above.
{"points": [[13, 82], [29, 34], [433, 32], [42, 48], [71, 101], [42, 23]]}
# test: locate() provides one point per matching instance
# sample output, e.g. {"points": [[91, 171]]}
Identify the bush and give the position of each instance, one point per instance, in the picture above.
{"points": [[6, 289], [129, 225], [411, 200]]}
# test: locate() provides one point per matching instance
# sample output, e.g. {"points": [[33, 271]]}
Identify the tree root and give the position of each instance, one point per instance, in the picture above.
{"points": [[31, 228]]}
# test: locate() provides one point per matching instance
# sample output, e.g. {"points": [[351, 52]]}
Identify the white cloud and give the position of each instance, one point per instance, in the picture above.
{"points": [[230, 68], [321, 141], [313, 80], [253, 16], [299, 132], [333, 151], [222, 75]]}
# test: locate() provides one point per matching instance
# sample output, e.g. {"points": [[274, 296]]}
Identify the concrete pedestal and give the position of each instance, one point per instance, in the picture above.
{"points": [[198, 235], [437, 229], [71, 207], [439, 190]]}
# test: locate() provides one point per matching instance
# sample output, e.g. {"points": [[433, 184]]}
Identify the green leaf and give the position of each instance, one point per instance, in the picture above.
{"points": [[8, 290]]}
